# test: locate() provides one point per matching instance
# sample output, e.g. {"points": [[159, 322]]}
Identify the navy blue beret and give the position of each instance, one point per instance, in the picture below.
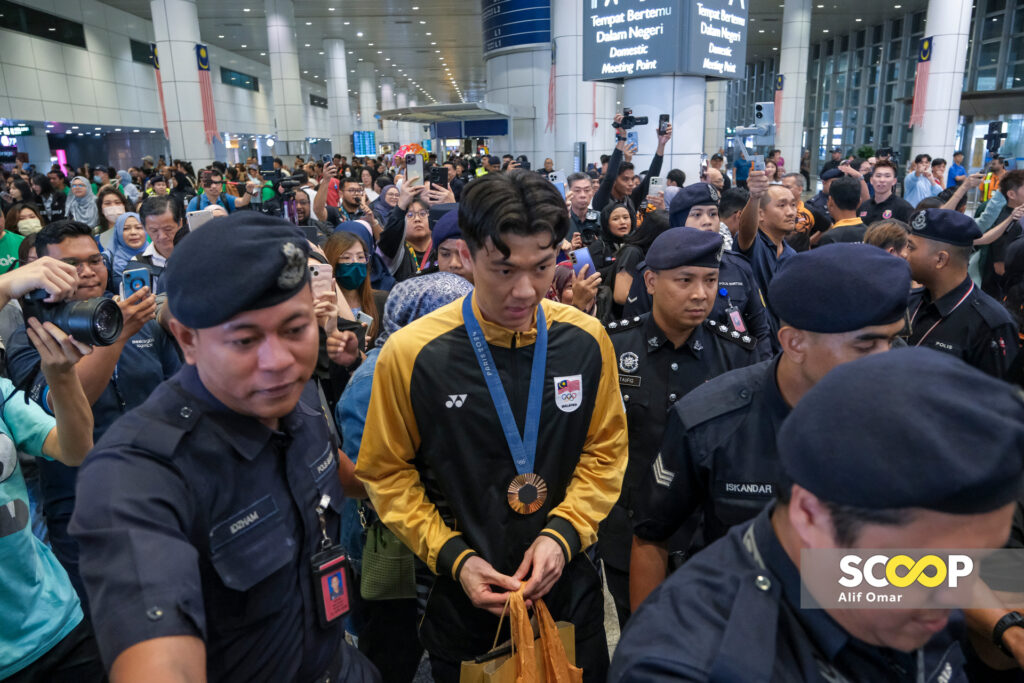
{"points": [[446, 228], [677, 247], [243, 262], [945, 225], [830, 174], [840, 288], [851, 440], [689, 197]]}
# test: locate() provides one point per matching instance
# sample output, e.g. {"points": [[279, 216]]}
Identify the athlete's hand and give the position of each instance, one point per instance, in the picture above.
{"points": [[543, 563], [479, 579]]}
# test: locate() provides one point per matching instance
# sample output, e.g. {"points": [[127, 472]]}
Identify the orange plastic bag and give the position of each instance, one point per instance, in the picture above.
{"points": [[544, 656]]}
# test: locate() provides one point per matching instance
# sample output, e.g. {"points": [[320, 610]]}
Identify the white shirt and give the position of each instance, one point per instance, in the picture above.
{"points": [[151, 251]]}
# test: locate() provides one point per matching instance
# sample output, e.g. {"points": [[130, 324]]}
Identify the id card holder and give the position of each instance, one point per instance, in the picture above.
{"points": [[332, 573], [332, 580], [736, 319]]}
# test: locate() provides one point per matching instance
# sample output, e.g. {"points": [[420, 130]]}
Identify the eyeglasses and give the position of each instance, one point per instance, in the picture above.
{"points": [[210, 182], [94, 261], [78, 185], [352, 258], [418, 214]]}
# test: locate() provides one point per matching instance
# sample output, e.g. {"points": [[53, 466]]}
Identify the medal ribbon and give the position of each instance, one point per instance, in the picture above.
{"points": [[523, 448]]}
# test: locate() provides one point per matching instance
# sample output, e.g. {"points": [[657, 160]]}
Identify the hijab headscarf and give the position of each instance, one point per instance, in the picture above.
{"points": [[121, 253], [418, 296], [381, 207], [563, 276], [128, 187], [83, 209], [607, 236]]}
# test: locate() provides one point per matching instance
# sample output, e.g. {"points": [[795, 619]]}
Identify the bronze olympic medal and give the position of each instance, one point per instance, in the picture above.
{"points": [[527, 493]]}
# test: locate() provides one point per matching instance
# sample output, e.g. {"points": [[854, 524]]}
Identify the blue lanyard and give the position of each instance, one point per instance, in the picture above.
{"points": [[523, 448]]}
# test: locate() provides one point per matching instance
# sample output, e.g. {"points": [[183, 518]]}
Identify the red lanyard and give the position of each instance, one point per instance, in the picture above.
{"points": [[426, 256]]}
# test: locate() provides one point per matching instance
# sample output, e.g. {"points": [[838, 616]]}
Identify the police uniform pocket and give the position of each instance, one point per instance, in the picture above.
{"points": [[252, 552]]}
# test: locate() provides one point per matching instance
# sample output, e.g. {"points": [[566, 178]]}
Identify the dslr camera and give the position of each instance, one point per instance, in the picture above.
{"points": [[96, 322], [629, 121], [523, 162]]}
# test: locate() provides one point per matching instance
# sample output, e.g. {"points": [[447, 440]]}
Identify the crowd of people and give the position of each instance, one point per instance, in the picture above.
{"points": [[344, 411]]}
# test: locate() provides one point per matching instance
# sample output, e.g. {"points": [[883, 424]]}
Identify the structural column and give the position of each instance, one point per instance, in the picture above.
{"points": [[583, 110], [523, 79], [367, 97], [796, 45], [402, 102], [948, 24], [387, 101], [289, 109], [337, 97], [714, 116], [682, 98], [176, 29]]}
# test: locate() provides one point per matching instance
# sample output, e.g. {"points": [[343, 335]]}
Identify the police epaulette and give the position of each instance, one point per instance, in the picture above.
{"points": [[625, 324], [747, 341]]}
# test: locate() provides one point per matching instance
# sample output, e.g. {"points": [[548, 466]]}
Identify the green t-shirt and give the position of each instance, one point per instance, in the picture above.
{"points": [[9, 244]]}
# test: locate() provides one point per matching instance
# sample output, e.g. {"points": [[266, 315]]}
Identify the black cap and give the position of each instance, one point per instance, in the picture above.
{"points": [[909, 428], [243, 262], [945, 225], [830, 174], [689, 197], [446, 228], [840, 288], [677, 247]]}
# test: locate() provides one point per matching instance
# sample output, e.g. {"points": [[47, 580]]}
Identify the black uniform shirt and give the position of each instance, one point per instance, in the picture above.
{"points": [[718, 454], [194, 520], [653, 375], [732, 613], [893, 207], [967, 323]]}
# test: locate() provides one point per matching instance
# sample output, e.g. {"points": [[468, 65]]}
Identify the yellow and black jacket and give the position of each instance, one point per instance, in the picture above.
{"points": [[434, 458]]}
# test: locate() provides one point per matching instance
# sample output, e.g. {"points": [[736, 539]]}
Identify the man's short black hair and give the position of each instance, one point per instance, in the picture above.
{"points": [[677, 176], [922, 157], [277, 160], [938, 162], [519, 202], [845, 193], [848, 520], [626, 166], [958, 153], [733, 200], [575, 178], [605, 158], [58, 231], [347, 180], [507, 156], [159, 204]]}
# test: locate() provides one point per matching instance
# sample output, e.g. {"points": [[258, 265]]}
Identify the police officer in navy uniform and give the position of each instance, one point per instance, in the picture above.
{"points": [[208, 517], [734, 612], [662, 356], [951, 313], [838, 303], [738, 302]]}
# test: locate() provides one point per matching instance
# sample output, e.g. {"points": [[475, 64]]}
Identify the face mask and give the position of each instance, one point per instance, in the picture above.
{"points": [[350, 275], [29, 226], [112, 212], [96, 179]]}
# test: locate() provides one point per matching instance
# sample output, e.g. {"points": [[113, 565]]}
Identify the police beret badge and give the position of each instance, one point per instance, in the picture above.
{"points": [[713, 193], [294, 269], [920, 222], [887, 214]]}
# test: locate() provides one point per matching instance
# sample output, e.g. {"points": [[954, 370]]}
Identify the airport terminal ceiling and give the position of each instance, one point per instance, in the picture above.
{"points": [[408, 39]]}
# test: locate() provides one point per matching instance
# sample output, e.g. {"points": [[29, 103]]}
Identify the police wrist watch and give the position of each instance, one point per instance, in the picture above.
{"points": [[1009, 620]]}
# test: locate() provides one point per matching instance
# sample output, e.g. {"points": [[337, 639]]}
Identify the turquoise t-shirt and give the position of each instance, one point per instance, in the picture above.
{"points": [[38, 606]]}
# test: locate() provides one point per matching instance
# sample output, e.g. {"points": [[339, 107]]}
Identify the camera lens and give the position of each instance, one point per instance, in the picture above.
{"points": [[97, 322]]}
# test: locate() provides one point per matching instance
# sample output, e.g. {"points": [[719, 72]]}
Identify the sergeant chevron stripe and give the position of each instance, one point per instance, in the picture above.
{"points": [[662, 476]]}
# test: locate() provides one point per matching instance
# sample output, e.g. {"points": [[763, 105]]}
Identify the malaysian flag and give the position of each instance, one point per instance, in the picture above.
{"points": [[569, 384], [924, 60], [159, 87], [780, 80], [206, 92]]}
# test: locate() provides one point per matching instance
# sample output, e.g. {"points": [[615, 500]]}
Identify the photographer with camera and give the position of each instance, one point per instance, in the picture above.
{"points": [[46, 636], [116, 377], [617, 185]]}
